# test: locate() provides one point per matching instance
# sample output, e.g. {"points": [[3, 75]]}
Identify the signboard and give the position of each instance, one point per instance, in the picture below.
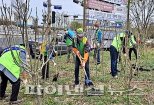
{"points": [[117, 1], [101, 6], [124, 2], [119, 9], [106, 16]]}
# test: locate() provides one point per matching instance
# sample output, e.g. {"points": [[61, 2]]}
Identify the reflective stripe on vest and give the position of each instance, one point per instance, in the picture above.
{"points": [[13, 48]]}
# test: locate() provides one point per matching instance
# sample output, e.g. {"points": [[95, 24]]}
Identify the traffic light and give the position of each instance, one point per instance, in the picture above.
{"points": [[53, 16], [82, 3], [66, 16], [44, 18], [75, 16], [45, 4], [76, 1]]}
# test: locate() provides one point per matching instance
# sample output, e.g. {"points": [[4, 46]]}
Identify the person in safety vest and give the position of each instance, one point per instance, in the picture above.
{"points": [[12, 63], [68, 39], [116, 47], [47, 52], [97, 42], [132, 45], [81, 48]]}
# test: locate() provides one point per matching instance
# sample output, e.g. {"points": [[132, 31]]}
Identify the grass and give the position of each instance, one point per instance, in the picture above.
{"points": [[101, 75]]}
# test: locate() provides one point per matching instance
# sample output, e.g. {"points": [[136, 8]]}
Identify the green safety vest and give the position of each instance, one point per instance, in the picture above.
{"points": [[68, 41], [43, 49], [81, 46], [131, 41], [117, 43], [8, 62]]}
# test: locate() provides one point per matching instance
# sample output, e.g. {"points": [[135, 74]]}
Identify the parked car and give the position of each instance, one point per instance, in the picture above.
{"points": [[60, 47]]}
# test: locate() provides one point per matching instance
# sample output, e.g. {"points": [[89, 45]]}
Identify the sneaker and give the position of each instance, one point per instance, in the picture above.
{"points": [[75, 85], [118, 71], [15, 102], [5, 96], [88, 83], [98, 63], [115, 76]]}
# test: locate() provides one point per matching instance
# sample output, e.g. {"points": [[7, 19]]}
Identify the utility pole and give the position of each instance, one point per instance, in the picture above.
{"points": [[49, 20], [126, 43], [84, 14], [49, 11], [128, 10]]}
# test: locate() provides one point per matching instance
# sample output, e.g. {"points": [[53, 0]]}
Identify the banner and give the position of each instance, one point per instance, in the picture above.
{"points": [[99, 5]]}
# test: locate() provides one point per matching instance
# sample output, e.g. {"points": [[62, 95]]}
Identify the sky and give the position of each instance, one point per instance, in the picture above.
{"points": [[68, 6]]}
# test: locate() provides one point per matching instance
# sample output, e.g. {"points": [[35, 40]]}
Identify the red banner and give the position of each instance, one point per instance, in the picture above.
{"points": [[101, 6]]}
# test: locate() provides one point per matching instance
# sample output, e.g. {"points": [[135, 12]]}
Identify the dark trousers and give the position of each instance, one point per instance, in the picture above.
{"points": [[77, 64], [45, 69], [130, 52], [15, 87], [114, 58], [97, 54], [69, 51]]}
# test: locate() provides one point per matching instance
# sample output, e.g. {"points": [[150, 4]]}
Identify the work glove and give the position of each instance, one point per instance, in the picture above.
{"points": [[125, 55], [27, 58], [78, 53], [98, 45], [54, 64], [83, 64], [25, 81]]}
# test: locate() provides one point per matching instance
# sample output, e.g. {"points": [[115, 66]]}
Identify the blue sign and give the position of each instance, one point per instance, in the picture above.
{"points": [[57, 7], [118, 25], [45, 4]]}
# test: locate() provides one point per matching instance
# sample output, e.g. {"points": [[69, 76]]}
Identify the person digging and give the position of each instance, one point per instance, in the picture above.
{"points": [[12, 63], [81, 49]]}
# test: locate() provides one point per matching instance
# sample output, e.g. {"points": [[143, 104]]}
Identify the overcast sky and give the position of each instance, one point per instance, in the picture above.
{"points": [[67, 6]]}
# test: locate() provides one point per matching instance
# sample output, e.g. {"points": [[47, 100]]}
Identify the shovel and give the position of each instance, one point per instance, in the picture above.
{"points": [[88, 81]]}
